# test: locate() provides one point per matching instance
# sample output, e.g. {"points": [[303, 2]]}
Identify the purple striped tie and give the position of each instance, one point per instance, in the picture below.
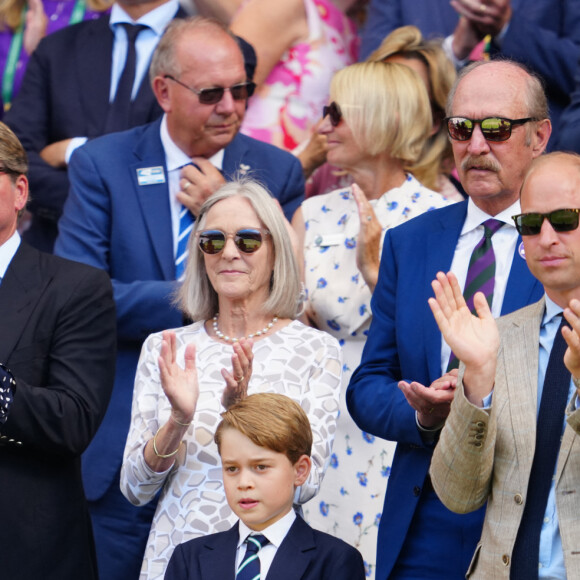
{"points": [[481, 271], [480, 274]]}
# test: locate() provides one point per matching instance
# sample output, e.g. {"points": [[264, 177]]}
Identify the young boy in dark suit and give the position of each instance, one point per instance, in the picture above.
{"points": [[265, 442]]}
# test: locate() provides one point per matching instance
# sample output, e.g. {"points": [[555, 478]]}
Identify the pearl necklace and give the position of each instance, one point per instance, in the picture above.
{"points": [[221, 335]]}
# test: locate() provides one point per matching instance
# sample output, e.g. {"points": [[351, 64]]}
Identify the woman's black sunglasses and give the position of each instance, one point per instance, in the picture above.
{"points": [[334, 112]]}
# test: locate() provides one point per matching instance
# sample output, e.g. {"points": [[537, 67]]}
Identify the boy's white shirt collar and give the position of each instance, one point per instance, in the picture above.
{"points": [[275, 533]]}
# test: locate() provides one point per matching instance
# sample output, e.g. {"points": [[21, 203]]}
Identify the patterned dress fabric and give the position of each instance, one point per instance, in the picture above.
{"points": [[351, 497], [285, 108], [297, 361]]}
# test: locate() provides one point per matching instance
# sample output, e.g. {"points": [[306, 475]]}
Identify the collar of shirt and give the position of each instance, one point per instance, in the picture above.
{"points": [[157, 19], [175, 158], [275, 533], [552, 310], [7, 251], [156, 22], [475, 216]]}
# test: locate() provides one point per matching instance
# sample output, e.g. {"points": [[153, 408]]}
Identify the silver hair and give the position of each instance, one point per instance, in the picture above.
{"points": [[197, 297]]}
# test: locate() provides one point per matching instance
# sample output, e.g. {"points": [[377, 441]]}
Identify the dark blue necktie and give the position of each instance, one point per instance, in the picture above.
{"points": [[525, 557], [250, 567], [118, 116]]}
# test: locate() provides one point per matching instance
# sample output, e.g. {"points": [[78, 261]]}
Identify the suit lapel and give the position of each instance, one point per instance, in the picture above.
{"points": [[295, 553], [218, 558], [441, 244], [93, 56], [520, 361], [154, 198], [21, 288], [234, 155]]}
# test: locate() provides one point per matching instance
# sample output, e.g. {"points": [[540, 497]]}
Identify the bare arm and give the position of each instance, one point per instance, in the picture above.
{"points": [[271, 28]]}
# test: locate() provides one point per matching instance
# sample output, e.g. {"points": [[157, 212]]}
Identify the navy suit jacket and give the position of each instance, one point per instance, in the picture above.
{"points": [[305, 554], [58, 339], [65, 94], [404, 343], [543, 34], [113, 223]]}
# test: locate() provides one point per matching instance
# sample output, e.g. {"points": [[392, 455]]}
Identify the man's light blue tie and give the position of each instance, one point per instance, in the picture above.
{"points": [[250, 567], [186, 220]]}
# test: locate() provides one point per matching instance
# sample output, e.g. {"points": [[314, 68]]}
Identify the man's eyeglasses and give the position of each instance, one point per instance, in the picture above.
{"points": [[492, 128], [247, 240], [334, 113], [561, 220], [240, 92]]}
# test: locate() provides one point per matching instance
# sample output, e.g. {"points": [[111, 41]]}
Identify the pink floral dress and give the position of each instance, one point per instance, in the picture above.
{"points": [[288, 104]]}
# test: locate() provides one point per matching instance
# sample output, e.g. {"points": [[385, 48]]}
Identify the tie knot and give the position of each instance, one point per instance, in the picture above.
{"points": [[133, 30], [491, 226], [256, 542]]}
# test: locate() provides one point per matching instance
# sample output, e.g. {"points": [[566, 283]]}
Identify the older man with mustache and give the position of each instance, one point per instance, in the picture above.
{"points": [[498, 123]]}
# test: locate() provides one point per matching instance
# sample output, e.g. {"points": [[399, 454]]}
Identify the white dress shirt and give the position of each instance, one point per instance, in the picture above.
{"points": [[275, 534], [7, 251]]}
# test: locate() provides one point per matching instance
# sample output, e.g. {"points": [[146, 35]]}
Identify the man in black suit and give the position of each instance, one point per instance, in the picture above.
{"points": [[57, 359], [70, 82]]}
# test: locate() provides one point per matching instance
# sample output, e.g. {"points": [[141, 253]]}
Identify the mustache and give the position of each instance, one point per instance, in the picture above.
{"points": [[480, 162]]}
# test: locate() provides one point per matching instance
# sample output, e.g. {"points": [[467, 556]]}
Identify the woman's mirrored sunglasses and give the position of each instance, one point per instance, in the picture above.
{"points": [[561, 220], [334, 113], [247, 240]]}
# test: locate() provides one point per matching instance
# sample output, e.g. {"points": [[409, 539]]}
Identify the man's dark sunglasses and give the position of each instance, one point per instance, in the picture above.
{"points": [[334, 112], [561, 220], [492, 128], [240, 92]]}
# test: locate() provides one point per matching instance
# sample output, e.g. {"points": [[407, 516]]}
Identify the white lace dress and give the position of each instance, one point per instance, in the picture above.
{"points": [[297, 361]]}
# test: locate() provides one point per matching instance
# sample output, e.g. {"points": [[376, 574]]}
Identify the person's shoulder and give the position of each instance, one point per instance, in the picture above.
{"points": [[68, 34], [449, 215], [338, 549], [56, 265], [117, 146], [330, 201]]}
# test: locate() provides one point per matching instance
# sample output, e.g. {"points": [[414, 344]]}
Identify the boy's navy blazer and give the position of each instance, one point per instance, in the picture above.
{"points": [[305, 554]]}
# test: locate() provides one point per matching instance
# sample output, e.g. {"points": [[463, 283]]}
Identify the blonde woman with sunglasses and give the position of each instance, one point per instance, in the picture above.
{"points": [[377, 124]]}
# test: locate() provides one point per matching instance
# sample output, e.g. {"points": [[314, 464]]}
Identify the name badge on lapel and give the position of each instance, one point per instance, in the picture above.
{"points": [[151, 175]]}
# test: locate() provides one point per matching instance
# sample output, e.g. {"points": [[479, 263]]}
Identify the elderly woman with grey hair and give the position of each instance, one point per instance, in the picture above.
{"points": [[242, 287]]}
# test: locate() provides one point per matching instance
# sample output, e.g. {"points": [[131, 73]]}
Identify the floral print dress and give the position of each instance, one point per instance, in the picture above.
{"points": [[351, 496], [286, 106]]}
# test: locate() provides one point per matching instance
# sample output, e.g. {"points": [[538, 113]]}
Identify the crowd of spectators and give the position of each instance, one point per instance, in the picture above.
{"points": [[271, 188]]}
